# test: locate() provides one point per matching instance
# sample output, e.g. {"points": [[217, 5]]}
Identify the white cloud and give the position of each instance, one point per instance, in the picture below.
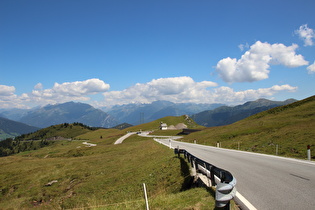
{"points": [[311, 68], [80, 88], [228, 96], [38, 86], [306, 34], [254, 63], [8, 98], [175, 89], [59, 93], [6, 90], [68, 91], [184, 90]]}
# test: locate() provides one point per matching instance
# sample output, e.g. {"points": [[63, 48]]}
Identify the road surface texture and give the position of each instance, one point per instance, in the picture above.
{"points": [[266, 181]]}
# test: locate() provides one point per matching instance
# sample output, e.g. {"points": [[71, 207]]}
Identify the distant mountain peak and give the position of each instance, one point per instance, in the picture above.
{"points": [[69, 112]]}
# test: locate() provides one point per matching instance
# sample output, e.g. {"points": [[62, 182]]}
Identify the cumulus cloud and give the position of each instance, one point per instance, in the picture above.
{"points": [[38, 86], [59, 93], [228, 96], [6, 90], [8, 98], [79, 88], [254, 63], [306, 34], [175, 89], [68, 91], [311, 68], [185, 90]]}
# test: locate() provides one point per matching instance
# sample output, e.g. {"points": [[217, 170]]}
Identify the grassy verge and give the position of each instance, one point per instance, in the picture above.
{"points": [[103, 177]]}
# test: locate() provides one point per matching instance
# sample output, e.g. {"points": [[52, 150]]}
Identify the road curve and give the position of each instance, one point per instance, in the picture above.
{"points": [[121, 139], [266, 181]]}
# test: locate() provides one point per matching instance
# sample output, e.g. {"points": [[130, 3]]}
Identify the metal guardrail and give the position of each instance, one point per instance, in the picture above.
{"points": [[222, 179]]}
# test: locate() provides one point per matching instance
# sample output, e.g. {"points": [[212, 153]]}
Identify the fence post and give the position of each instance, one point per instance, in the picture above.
{"points": [[309, 152], [145, 197]]}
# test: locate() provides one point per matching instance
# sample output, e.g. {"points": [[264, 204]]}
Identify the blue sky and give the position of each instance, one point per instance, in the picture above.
{"points": [[106, 52]]}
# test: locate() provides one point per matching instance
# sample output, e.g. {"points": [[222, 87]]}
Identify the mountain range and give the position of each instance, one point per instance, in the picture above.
{"points": [[142, 113], [204, 114], [62, 113]]}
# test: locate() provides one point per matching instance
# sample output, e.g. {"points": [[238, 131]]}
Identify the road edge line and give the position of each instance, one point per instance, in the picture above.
{"points": [[243, 202]]}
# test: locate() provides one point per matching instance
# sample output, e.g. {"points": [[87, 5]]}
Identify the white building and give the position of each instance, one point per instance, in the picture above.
{"points": [[163, 126]]}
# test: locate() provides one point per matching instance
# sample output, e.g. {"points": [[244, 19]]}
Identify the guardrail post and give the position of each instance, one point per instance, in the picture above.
{"points": [[224, 193], [309, 152], [225, 190], [212, 175]]}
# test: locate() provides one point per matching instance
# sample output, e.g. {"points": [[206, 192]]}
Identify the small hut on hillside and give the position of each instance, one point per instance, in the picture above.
{"points": [[163, 126]]}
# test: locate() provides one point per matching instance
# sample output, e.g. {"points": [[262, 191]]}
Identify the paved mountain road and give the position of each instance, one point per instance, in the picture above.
{"points": [[267, 182]]}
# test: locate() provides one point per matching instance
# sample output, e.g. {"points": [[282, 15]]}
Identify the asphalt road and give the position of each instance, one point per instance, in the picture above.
{"points": [[121, 139], [267, 182]]}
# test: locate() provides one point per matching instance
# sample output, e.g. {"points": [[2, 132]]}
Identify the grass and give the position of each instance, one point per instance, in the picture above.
{"points": [[64, 130], [106, 176], [291, 127], [170, 120]]}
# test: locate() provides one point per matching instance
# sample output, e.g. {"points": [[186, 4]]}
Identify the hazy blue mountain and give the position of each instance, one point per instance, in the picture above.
{"points": [[225, 115], [10, 128], [13, 114], [68, 113], [134, 114], [141, 113]]}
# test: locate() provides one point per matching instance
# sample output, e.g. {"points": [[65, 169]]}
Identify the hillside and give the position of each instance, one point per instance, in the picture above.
{"points": [[10, 128], [64, 130], [226, 115], [42, 138], [291, 127], [170, 121], [68, 175], [68, 113]]}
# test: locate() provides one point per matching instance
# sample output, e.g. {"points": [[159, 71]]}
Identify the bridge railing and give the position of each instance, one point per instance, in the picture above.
{"points": [[222, 179]]}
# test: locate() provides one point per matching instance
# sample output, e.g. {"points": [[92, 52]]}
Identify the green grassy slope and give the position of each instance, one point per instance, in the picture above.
{"points": [[65, 130], [170, 120], [291, 127], [10, 128], [106, 176]]}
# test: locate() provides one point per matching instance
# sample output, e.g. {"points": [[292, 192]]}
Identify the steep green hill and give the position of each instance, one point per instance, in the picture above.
{"points": [[10, 128], [41, 138], [291, 127], [64, 130]]}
